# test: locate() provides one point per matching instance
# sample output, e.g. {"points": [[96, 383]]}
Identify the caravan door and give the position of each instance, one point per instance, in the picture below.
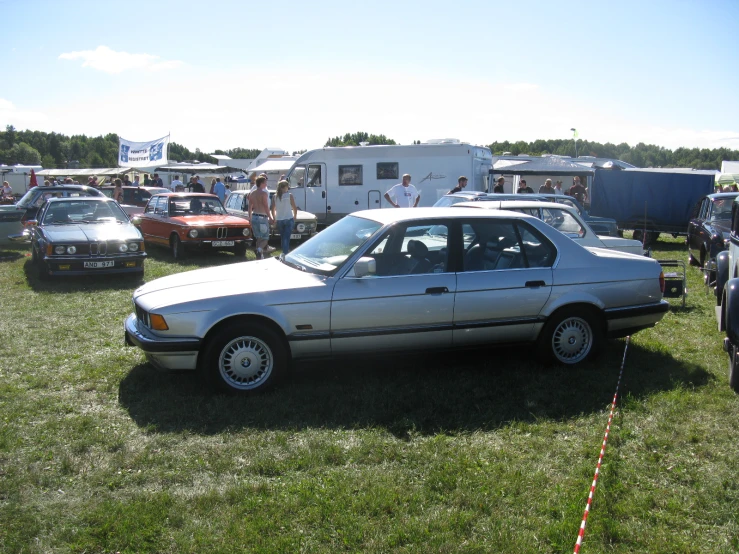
{"points": [[315, 190]]}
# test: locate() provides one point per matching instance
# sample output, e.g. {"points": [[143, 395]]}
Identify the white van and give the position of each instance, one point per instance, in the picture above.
{"points": [[332, 182]]}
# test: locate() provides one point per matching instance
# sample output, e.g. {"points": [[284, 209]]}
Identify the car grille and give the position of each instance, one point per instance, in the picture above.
{"points": [[142, 315], [222, 232]]}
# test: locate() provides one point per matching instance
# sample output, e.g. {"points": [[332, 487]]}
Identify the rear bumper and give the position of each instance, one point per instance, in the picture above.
{"points": [[622, 322]]}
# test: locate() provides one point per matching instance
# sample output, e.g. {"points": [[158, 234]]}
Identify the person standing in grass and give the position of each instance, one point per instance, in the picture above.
{"points": [[284, 212], [260, 216]]}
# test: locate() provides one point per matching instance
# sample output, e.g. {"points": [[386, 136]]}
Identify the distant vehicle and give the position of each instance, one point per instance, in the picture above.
{"points": [[397, 280], [727, 296], [334, 182], [565, 219], [134, 198], [14, 217], [709, 231], [601, 225], [649, 201], [85, 236], [192, 221], [305, 225]]}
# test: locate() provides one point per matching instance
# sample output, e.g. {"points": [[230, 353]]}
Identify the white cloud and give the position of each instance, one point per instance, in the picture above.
{"points": [[20, 119], [297, 110], [110, 61]]}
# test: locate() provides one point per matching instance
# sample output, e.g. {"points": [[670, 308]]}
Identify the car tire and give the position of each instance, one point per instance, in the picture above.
{"points": [[734, 367], [244, 358], [572, 335], [42, 271], [176, 246]]}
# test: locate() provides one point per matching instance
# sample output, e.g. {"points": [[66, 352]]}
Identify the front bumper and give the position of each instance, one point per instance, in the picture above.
{"points": [[205, 245], [163, 353], [74, 265]]}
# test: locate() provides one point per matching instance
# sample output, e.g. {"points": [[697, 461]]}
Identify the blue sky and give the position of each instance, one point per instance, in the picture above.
{"points": [[291, 74]]}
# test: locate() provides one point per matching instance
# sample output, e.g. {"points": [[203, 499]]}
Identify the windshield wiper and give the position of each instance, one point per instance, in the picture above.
{"points": [[292, 264]]}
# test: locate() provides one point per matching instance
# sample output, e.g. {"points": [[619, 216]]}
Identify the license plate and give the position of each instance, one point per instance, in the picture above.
{"points": [[296, 236], [223, 243], [99, 265]]}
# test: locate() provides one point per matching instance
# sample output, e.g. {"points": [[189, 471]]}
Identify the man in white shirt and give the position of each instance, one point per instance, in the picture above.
{"points": [[405, 195], [175, 183]]}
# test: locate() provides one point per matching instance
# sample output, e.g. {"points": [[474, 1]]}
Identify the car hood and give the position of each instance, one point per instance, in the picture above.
{"points": [[264, 276], [208, 220], [91, 232]]}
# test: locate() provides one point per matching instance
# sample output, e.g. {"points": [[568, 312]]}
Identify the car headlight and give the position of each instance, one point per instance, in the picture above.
{"points": [[133, 247], [71, 250], [300, 227], [59, 250], [192, 233], [123, 247], [245, 231]]}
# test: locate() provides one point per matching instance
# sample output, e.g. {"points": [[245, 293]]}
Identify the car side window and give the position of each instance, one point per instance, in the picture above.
{"points": [[412, 250], [500, 245], [564, 222], [161, 205], [539, 251], [704, 209]]}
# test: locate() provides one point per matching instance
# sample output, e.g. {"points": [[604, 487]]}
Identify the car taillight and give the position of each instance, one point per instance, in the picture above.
{"points": [[662, 281]]}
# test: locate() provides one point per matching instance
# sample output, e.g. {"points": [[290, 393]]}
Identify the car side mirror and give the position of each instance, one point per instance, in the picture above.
{"points": [[136, 220], [365, 266]]}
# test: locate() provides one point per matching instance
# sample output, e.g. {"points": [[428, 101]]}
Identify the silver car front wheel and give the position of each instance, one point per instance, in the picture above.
{"points": [[242, 357]]}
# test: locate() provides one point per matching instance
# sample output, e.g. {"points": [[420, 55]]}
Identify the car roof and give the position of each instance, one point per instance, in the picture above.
{"points": [[188, 194], [520, 204], [81, 198], [393, 215], [723, 195], [61, 188]]}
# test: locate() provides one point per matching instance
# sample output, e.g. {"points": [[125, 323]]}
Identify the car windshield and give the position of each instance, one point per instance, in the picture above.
{"points": [[329, 249], [195, 205], [85, 211], [722, 209]]}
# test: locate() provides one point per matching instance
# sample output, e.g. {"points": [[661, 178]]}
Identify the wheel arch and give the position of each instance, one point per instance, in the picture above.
{"points": [[246, 318], [591, 307]]}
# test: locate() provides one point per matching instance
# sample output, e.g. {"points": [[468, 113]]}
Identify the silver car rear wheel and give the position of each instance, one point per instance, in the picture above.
{"points": [[570, 336], [572, 340], [245, 363]]}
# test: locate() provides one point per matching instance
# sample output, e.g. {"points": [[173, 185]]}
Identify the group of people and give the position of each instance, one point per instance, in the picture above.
{"points": [[281, 211], [578, 191]]}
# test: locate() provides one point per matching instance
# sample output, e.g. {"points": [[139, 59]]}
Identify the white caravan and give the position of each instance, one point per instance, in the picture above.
{"points": [[332, 182]]}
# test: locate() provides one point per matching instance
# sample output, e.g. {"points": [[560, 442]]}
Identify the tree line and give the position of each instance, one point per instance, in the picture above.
{"points": [[54, 150]]}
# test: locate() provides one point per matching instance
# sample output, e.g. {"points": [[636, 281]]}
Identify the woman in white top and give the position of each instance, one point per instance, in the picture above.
{"points": [[284, 212]]}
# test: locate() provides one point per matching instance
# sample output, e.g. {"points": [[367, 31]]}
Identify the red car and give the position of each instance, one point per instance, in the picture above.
{"points": [[188, 221]]}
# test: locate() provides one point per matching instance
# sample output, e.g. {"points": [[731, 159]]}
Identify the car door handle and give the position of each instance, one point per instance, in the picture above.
{"points": [[531, 284], [323, 194], [437, 290]]}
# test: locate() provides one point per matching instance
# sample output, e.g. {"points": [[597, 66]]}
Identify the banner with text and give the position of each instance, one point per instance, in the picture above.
{"points": [[142, 154]]}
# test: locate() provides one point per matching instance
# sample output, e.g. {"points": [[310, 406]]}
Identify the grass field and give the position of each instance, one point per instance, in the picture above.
{"points": [[483, 452]]}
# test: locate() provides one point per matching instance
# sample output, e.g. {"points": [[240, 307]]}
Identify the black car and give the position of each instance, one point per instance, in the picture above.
{"points": [[13, 218], [709, 230], [85, 235]]}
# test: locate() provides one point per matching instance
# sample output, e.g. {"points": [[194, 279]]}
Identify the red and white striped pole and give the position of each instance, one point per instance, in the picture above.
{"points": [[581, 533]]}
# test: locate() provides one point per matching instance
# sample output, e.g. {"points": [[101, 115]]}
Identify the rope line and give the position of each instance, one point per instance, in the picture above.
{"points": [[581, 533]]}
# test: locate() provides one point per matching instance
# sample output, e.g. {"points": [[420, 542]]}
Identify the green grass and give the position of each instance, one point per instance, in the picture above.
{"points": [[473, 452]]}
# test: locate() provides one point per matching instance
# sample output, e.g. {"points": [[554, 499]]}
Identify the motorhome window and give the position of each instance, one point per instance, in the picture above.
{"points": [[350, 175], [387, 170], [297, 177], [314, 176]]}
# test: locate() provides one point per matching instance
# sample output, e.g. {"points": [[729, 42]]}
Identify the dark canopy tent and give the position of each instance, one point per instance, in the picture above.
{"points": [[550, 165]]}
